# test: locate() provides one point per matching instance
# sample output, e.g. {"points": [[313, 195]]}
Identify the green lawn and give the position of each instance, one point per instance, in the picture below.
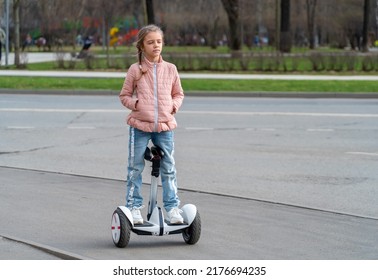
{"points": [[191, 61], [194, 85]]}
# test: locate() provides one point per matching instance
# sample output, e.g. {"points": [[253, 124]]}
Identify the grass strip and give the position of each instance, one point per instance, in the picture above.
{"points": [[220, 85]]}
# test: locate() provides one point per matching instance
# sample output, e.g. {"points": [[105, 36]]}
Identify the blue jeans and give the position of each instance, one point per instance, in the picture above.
{"points": [[138, 141]]}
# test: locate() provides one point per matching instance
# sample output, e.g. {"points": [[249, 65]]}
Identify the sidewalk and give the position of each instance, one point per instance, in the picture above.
{"points": [[99, 74], [44, 56], [68, 216], [12, 249], [29, 57]]}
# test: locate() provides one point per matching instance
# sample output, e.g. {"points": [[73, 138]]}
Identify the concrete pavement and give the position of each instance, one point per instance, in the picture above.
{"points": [[69, 217], [14, 248]]}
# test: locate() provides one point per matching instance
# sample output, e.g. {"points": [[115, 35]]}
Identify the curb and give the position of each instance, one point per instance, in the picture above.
{"points": [[61, 254], [373, 95]]}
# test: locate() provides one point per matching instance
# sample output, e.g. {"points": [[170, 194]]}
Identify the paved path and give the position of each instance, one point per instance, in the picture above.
{"points": [[29, 57], [14, 249], [43, 57], [70, 216], [99, 74]]}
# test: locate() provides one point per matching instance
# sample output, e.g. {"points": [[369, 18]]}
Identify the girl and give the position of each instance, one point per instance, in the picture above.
{"points": [[152, 91]]}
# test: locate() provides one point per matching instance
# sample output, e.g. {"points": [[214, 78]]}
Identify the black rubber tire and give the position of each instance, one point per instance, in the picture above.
{"points": [[124, 231], [192, 233]]}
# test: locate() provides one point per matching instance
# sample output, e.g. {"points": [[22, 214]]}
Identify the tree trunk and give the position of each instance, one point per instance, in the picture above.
{"points": [[150, 12], [232, 10], [365, 29], [213, 39], [311, 7], [285, 38], [376, 19], [278, 24], [16, 15]]}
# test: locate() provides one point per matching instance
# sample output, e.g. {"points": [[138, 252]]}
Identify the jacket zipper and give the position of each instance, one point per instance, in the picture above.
{"points": [[156, 106]]}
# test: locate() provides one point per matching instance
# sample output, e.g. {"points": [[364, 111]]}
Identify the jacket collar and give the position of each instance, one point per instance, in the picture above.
{"points": [[148, 64]]}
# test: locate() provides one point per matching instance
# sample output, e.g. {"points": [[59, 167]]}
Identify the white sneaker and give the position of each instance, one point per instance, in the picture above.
{"points": [[175, 217], [137, 216]]}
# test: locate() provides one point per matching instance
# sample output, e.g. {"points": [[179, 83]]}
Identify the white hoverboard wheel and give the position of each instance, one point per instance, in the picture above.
{"points": [[192, 233], [121, 229]]}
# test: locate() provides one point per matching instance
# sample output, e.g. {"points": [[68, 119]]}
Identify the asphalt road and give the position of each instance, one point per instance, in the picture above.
{"points": [[272, 178]]}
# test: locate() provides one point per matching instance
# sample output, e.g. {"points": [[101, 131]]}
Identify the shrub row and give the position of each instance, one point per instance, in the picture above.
{"points": [[246, 62]]}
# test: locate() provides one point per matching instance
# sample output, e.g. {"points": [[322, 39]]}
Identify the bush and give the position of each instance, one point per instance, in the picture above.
{"points": [[240, 62]]}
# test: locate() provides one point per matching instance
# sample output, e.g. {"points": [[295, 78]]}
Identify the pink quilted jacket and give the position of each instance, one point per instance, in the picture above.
{"points": [[158, 95]]}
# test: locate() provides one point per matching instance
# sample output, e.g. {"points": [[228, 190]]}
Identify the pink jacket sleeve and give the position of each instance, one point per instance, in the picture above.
{"points": [[177, 94], [126, 94]]}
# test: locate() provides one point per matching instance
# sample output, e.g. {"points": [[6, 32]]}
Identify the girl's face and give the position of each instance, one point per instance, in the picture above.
{"points": [[152, 46]]}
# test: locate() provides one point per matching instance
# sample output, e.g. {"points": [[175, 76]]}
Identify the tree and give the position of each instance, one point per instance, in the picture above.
{"points": [[107, 12], [50, 14], [278, 24], [311, 7], [285, 38], [150, 12], [232, 10], [16, 15], [74, 11], [365, 29], [376, 19]]}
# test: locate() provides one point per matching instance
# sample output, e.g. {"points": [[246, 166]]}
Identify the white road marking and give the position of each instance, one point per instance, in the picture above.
{"points": [[81, 127], [268, 129], [363, 153], [301, 114], [320, 129], [52, 110], [20, 127], [199, 128]]}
